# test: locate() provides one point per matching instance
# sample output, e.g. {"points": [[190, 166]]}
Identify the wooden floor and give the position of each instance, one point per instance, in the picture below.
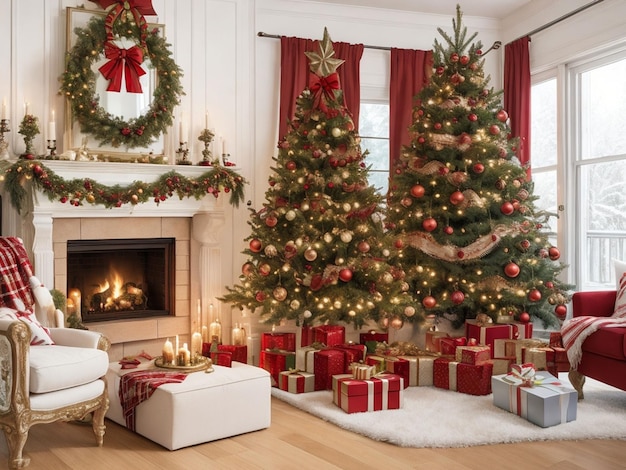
{"points": [[299, 440]]}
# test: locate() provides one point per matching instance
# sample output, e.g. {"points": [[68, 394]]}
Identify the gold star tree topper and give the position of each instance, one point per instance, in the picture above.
{"points": [[322, 63]]}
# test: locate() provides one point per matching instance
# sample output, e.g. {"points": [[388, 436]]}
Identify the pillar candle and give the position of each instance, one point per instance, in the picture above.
{"points": [[205, 334], [25, 109], [168, 352], [215, 329], [196, 345], [239, 335], [52, 129], [74, 294]]}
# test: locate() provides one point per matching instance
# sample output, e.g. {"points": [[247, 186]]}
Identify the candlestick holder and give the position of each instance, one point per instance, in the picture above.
{"points": [[226, 159], [52, 147], [183, 154], [206, 136], [4, 145]]}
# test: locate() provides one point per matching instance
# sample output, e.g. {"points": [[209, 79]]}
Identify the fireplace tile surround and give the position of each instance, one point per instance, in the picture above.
{"points": [[196, 226]]}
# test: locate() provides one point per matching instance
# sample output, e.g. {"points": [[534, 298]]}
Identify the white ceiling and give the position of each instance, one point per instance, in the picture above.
{"points": [[483, 8]]}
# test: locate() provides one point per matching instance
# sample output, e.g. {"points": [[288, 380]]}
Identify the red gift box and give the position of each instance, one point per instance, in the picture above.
{"points": [[306, 335], [326, 363], [370, 339], [556, 340], [463, 378], [283, 341], [239, 352], [296, 382], [378, 361], [277, 361], [486, 334], [354, 352], [330, 335], [337, 388], [399, 366], [473, 354], [222, 358], [383, 392], [447, 346]]}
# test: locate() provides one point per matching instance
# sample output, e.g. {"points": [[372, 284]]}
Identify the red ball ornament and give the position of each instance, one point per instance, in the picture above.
{"points": [[438, 125], [472, 117], [502, 115], [478, 168], [255, 245], [454, 57], [554, 253], [247, 269], [549, 284], [399, 244], [429, 224], [440, 70], [457, 198], [524, 317], [260, 296], [494, 129], [265, 269], [507, 208], [429, 301], [290, 165], [271, 220], [448, 230], [560, 311], [512, 270], [418, 190], [534, 295], [364, 247], [460, 341], [464, 60], [457, 297], [465, 139], [345, 275]]}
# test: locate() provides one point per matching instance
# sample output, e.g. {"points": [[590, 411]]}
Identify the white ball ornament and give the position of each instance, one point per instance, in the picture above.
{"points": [[386, 252], [346, 237], [307, 314], [290, 215], [346, 207], [409, 311], [270, 251], [295, 304], [328, 237], [336, 132], [305, 206]]}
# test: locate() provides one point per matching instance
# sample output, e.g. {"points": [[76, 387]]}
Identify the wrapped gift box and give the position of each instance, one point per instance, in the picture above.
{"points": [[283, 341], [383, 392], [447, 346], [296, 381], [362, 371], [502, 365], [540, 357], [222, 358], [399, 366], [354, 352], [336, 379], [277, 361], [330, 335], [305, 358], [550, 403], [555, 339], [239, 352], [326, 363], [487, 334], [370, 339], [464, 378], [306, 335], [420, 370], [473, 354], [432, 340], [514, 347], [377, 361]]}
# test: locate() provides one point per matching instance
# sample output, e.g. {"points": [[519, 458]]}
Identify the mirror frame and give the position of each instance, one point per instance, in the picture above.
{"points": [[78, 85]]}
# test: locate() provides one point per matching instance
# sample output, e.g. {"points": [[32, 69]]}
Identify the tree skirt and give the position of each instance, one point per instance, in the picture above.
{"points": [[433, 417]]}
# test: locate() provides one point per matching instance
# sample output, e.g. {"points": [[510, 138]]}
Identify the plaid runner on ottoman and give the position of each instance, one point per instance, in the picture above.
{"points": [[136, 387]]}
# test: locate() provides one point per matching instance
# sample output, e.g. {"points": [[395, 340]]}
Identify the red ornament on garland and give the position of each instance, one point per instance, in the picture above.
{"points": [[271, 220], [457, 198], [418, 190], [524, 317], [290, 165], [478, 168], [260, 296], [364, 247], [429, 301], [507, 208], [554, 253], [448, 230], [512, 270], [255, 245], [560, 311], [502, 115], [534, 295], [494, 129], [345, 275], [457, 297]]}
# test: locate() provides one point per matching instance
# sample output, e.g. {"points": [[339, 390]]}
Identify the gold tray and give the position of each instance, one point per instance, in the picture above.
{"points": [[205, 364]]}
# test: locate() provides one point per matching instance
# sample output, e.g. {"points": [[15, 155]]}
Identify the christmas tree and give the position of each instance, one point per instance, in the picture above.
{"points": [[461, 208], [317, 249]]}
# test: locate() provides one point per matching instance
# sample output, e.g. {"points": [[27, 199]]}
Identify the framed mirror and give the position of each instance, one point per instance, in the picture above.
{"points": [[121, 87]]}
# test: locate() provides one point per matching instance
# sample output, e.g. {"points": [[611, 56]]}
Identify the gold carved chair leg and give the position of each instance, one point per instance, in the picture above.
{"points": [[15, 443], [577, 380], [98, 419]]}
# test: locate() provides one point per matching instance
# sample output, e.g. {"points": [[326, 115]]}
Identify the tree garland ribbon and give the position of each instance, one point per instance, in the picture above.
{"points": [[86, 190]]}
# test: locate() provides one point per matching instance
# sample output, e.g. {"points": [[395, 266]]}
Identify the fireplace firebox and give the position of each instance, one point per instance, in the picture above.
{"points": [[120, 278]]}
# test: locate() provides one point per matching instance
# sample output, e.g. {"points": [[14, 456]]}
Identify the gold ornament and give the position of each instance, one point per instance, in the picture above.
{"points": [[280, 293]]}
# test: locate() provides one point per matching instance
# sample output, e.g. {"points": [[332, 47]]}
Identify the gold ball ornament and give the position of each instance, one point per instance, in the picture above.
{"points": [[396, 323], [409, 311], [280, 293], [310, 254]]}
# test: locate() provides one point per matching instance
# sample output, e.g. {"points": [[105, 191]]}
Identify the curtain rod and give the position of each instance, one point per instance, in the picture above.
{"points": [[558, 20], [261, 34]]}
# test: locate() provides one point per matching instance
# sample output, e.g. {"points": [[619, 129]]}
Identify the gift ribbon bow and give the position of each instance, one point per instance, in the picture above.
{"points": [[525, 373], [323, 89], [127, 61], [294, 371]]}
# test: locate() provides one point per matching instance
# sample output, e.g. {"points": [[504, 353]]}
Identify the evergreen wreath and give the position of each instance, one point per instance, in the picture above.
{"points": [[79, 85], [80, 190]]}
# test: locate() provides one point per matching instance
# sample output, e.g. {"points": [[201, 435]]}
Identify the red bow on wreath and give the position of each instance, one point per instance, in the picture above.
{"points": [[123, 60], [323, 89], [143, 6]]}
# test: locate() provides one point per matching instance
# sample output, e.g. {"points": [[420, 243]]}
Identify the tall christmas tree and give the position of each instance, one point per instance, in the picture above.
{"points": [[461, 209], [316, 252]]}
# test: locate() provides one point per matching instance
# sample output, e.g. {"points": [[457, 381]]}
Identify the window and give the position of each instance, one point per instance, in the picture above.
{"points": [[599, 153], [374, 132]]}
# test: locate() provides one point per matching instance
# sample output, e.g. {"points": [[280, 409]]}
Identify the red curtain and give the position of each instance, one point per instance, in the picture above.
{"points": [[410, 71], [517, 94], [294, 75]]}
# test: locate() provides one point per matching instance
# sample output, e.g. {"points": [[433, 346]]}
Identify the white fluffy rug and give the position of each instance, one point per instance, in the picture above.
{"points": [[432, 417]]}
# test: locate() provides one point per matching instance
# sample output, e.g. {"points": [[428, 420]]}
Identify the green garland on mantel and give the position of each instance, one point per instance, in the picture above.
{"points": [[79, 191]]}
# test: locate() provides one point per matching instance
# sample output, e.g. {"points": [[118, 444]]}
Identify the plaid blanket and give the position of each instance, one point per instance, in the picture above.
{"points": [[136, 387], [576, 330], [15, 274]]}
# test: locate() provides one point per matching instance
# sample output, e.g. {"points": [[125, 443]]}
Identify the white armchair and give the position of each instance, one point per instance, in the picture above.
{"points": [[60, 378]]}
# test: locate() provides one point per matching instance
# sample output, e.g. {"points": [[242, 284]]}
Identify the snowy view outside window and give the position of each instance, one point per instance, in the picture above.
{"points": [[374, 132]]}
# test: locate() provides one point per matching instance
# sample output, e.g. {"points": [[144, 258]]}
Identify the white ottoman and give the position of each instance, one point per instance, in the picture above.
{"points": [[203, 408]]}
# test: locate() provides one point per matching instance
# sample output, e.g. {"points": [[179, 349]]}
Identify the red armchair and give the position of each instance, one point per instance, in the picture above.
{"points": [[603, 352]]}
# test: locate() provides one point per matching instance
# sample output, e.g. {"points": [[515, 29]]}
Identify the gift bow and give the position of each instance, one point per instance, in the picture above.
{"points": [[294, 371], [525, 373], [323, 89], [123, 60]]}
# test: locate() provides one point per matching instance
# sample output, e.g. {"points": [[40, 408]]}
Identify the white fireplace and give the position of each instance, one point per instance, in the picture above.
{"points": [[197, 226]]}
